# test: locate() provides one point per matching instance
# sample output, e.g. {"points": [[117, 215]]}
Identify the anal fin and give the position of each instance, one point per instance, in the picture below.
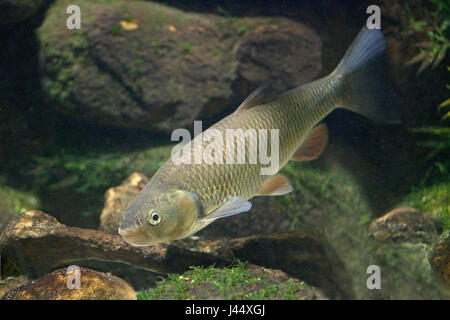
{"points": [[277, 185]]}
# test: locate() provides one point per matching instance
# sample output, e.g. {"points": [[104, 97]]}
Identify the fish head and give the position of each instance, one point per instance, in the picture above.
{"points": [[160, 217]]}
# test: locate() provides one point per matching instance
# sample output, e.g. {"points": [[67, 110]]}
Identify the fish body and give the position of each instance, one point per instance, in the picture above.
{"points": [[293, 114], [182, 198]]}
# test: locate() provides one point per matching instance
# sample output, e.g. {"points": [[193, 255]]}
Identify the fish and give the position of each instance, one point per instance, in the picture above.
{"points": [[183, 198]]}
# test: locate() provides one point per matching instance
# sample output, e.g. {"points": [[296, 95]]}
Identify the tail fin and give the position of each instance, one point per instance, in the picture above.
{"points": [[362, 70]]}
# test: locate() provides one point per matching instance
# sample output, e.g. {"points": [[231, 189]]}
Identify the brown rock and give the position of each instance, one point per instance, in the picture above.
{"points": [[117, 200], [11, 283], [403, 224], [61, 285], [39, 244], [440, 258]]}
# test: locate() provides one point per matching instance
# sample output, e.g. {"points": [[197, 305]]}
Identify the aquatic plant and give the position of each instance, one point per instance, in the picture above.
{"points": [[444, 107], [433, 201], [155, 46], [437, 140], [116, 29], [16, 201], [135, 68], [433, 51], [223, 12], [60, 82], [128, 18], [242, 30], [186, 48]]}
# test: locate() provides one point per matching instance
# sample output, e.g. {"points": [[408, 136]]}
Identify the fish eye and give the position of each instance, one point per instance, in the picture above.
{"points": [[154, 218]]}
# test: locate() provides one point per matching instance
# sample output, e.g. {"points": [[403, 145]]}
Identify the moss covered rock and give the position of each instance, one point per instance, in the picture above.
{"points": [[242, 281], [144, 65]]}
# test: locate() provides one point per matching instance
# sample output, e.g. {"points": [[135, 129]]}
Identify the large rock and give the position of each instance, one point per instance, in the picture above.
{"points": [[39, 244], [62, 285], [144, 65]]}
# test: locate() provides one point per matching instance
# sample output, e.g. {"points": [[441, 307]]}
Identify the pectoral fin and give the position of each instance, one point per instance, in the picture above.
{"points": [[233, 206], [313, 145], [275, 186]]}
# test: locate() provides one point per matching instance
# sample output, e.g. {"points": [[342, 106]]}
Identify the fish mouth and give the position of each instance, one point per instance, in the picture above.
{"points": [[136, 237], [132, 232]]}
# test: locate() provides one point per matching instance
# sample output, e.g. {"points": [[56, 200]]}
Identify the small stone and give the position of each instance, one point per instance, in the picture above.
{"points": [[61, 285], [403, 224], [117, 200]]}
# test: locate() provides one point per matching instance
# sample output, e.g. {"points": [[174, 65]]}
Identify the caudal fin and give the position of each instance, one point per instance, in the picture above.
{"points": [[363, 73]]}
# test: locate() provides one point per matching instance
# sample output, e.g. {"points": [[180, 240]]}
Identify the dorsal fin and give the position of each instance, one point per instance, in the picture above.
{"points": [[262, 94]]}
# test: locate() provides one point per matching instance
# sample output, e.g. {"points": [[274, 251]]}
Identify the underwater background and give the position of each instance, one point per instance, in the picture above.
{"points": [[86, 117]]}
